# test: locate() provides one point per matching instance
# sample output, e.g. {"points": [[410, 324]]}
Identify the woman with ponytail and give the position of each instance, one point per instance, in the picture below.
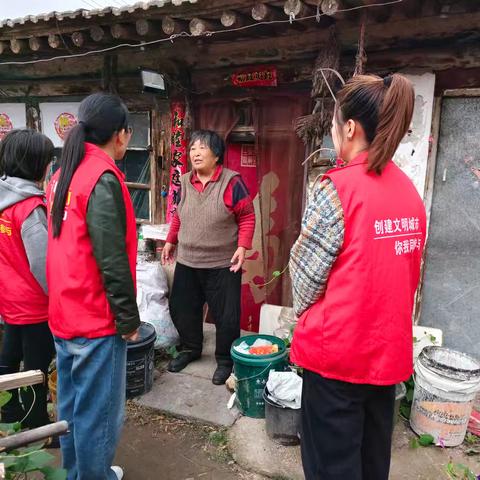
{"points": [[355, 268], [91, 263]]}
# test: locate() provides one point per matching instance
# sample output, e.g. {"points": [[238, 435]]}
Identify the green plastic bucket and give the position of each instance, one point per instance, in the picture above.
{"points": [[252, 373]]}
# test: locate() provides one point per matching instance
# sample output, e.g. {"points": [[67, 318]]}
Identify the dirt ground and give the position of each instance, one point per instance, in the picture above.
{"points": [[157, 447]]}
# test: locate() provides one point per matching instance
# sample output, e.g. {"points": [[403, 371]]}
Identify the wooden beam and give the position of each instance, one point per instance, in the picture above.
{"points": [[379, 14], [37, 43], [261, 12], [18, 45], [54, 41], [411, 8], [330, 7], [99, 34], [123, 31], [146, 27], [172, 26], [20, 379], [297, 9], [231, 19], [12, 442], [79, 39], [199, 26]]}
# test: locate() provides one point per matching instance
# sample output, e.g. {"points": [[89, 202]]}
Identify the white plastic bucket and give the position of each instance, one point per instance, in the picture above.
{"points": [[446, 382]]}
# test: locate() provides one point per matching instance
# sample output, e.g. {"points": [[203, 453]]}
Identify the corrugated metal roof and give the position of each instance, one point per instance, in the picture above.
{"points": [[90, 13]]}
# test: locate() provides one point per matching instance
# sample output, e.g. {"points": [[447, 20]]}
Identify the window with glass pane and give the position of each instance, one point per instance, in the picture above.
{"points": [[136, 165]]}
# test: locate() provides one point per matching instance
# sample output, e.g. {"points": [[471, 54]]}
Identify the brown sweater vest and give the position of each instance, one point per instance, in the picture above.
{"points": [[208, 233]]}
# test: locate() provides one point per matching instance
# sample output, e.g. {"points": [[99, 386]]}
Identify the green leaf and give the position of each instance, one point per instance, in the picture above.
{"points": [[8, 460], [38, 459], [405, 410], [425, 440], [10, 428], [415, 339], [433, 339], [409, 396], [172, 351], [413, 444], [276, 274], [4, 398], [51, 473], [471, 439]]}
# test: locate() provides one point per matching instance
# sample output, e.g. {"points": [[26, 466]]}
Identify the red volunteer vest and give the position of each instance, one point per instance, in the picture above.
{"points": [[360, 331], [22, 299], [78, 301]]}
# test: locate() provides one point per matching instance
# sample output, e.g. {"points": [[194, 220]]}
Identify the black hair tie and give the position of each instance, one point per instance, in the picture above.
{"points": [[387, 81]]}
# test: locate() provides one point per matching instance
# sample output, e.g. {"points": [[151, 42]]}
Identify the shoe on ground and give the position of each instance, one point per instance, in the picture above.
{"points": [[118, 471], [183, 359], [221, 375]]}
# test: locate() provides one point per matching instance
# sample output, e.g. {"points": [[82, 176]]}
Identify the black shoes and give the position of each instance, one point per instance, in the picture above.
{"points": [[221, 375], [183, 359]]}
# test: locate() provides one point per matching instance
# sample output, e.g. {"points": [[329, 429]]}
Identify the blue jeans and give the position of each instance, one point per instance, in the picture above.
{"points": [[91, 398]]}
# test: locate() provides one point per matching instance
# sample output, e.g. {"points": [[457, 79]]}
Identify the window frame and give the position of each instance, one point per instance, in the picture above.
{"points": [[132, 186]]}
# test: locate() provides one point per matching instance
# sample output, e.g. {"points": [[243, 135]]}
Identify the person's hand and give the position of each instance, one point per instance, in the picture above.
{"points": [[238, 259], [133, 336], [168, 253]]}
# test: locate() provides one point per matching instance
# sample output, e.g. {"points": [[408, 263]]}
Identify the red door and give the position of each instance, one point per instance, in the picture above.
{"points": [[241, 157]]}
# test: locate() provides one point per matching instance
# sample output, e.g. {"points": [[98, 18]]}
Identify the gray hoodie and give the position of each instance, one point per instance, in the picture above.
{"points": [[34, 228]]}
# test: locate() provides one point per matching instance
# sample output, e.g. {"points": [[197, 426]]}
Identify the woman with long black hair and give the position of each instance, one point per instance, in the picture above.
{"points": [[91, 276], [355, 269]]}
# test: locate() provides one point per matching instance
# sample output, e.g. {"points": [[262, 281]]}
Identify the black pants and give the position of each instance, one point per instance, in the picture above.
{"points": [[220, 289], [34, 345], [346, 429]]}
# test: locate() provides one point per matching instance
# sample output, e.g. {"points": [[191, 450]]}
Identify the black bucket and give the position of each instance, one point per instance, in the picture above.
{"points": [[140, 361], [282, 423]]}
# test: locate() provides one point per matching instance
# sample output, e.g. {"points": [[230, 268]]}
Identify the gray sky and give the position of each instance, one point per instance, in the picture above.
{"points": [[21, 8]]}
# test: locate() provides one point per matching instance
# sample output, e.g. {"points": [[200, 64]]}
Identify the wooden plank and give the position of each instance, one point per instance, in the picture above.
{"points": [[381, 14], [20, 379], [428, 199], [462, 92], [36, 435], [138, 186]]}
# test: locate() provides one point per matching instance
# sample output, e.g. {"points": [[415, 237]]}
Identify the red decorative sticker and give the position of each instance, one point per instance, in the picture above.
{"points": [[5, 125], [178, 165], [258, 76], [248, 156], [64, 123]]}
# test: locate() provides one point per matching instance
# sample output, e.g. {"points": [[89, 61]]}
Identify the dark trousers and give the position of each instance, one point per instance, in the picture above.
{"points": [[220, 289], [34, 345], [346, 429]]}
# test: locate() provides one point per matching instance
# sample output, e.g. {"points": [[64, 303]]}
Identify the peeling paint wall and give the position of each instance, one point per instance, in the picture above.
{"points": [[412, 154]]}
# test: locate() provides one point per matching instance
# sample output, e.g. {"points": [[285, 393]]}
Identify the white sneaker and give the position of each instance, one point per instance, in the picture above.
{"points": [[118, 472]]}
